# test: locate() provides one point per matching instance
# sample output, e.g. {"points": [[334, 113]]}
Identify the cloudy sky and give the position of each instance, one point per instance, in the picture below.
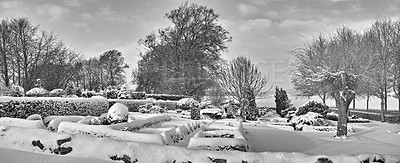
{"points": [[263, 30]]}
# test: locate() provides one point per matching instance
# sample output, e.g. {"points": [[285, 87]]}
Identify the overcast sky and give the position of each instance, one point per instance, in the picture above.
{"points": [[263, 30]]}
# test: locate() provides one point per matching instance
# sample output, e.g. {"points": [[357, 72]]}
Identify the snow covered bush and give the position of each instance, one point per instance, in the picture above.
{"points": [[70, 89], [151, 108], [88, 94], [22, 107], [117, 113], [313, 106], [112, 93], [122, 94], [187, 103], [281, 100], [213, 113], [37, 92], [309, 119], [56, 93], [12, 90]]}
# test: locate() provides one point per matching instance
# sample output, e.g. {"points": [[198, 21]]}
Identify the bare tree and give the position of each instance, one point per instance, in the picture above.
{"points": [[396, 57], [5, 33], [241, 80], [114, 65], [339, 67], [184, 55], [383, 45]]}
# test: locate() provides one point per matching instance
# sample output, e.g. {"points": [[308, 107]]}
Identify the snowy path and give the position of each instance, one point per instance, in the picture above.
{"points": [[264, 138], [370, 138], [16, 156]]}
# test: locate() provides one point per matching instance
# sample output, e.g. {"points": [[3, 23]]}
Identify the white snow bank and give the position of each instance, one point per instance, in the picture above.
{"points": [[44, 141], [221, 136], [211, 111], [53, 124], [22, 122], [169, 134], [101, 131]]}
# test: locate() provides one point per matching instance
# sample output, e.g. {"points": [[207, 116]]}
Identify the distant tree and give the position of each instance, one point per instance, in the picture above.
{"points": [[5, 33], [114, 65], [381, 37], [396, 57], [185, 55], [339, 67], [282, 101], [241, 80]]}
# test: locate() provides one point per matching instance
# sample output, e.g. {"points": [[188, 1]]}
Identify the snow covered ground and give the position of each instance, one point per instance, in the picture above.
{"points": [[268, 143], [374, 137]]}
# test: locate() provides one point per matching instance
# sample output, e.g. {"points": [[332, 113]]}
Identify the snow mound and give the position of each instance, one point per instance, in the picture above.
{"points": [[220, 137], [117, 113], [121, 131], [25, 123]]}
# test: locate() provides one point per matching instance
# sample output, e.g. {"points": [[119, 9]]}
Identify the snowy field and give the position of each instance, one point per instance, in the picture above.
{"points": [[266, 142]]}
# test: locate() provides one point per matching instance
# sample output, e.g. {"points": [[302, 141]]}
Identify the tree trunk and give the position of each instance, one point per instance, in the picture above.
{"points": [[342, 120], [368, 102], [354, 104], [383, 109], [399, 103]]}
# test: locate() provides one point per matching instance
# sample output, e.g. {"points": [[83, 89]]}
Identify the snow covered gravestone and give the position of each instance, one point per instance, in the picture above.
{"points": [[117, 113]]}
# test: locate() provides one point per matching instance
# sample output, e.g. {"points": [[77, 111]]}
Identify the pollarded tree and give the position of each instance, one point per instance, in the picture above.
{"points": [[339, 67], [241, 80]]}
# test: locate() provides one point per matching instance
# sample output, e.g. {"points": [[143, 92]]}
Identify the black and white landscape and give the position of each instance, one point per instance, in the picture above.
{"points": [[200, 81]]}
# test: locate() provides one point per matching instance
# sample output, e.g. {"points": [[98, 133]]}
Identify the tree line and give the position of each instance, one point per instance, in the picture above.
{"points": [[349, 64], [28, 53]]}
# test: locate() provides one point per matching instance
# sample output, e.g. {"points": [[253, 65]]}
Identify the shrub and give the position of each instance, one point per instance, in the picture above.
{"points": [[70, 89], [313, 106], [187, 103], [37, 92], [281, 100], [12, 90], [88, 94], [22, 107], [111, 93], [57, 93]]}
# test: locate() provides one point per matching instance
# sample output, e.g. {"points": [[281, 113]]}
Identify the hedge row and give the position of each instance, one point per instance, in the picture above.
{"points": [[133, 105], [22, 107], [166, 97], [376, 116]]}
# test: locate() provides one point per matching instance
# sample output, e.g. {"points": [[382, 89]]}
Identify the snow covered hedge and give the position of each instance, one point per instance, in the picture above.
{"points": [[22, 107], [134, 105], [351, 119], [165, 97], [43, 141], [313, 106], [376, 116]]}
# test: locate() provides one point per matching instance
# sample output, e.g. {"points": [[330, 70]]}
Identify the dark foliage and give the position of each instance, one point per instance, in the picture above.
{"points": [[313, 106], [23, 109], [281, 100]]}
